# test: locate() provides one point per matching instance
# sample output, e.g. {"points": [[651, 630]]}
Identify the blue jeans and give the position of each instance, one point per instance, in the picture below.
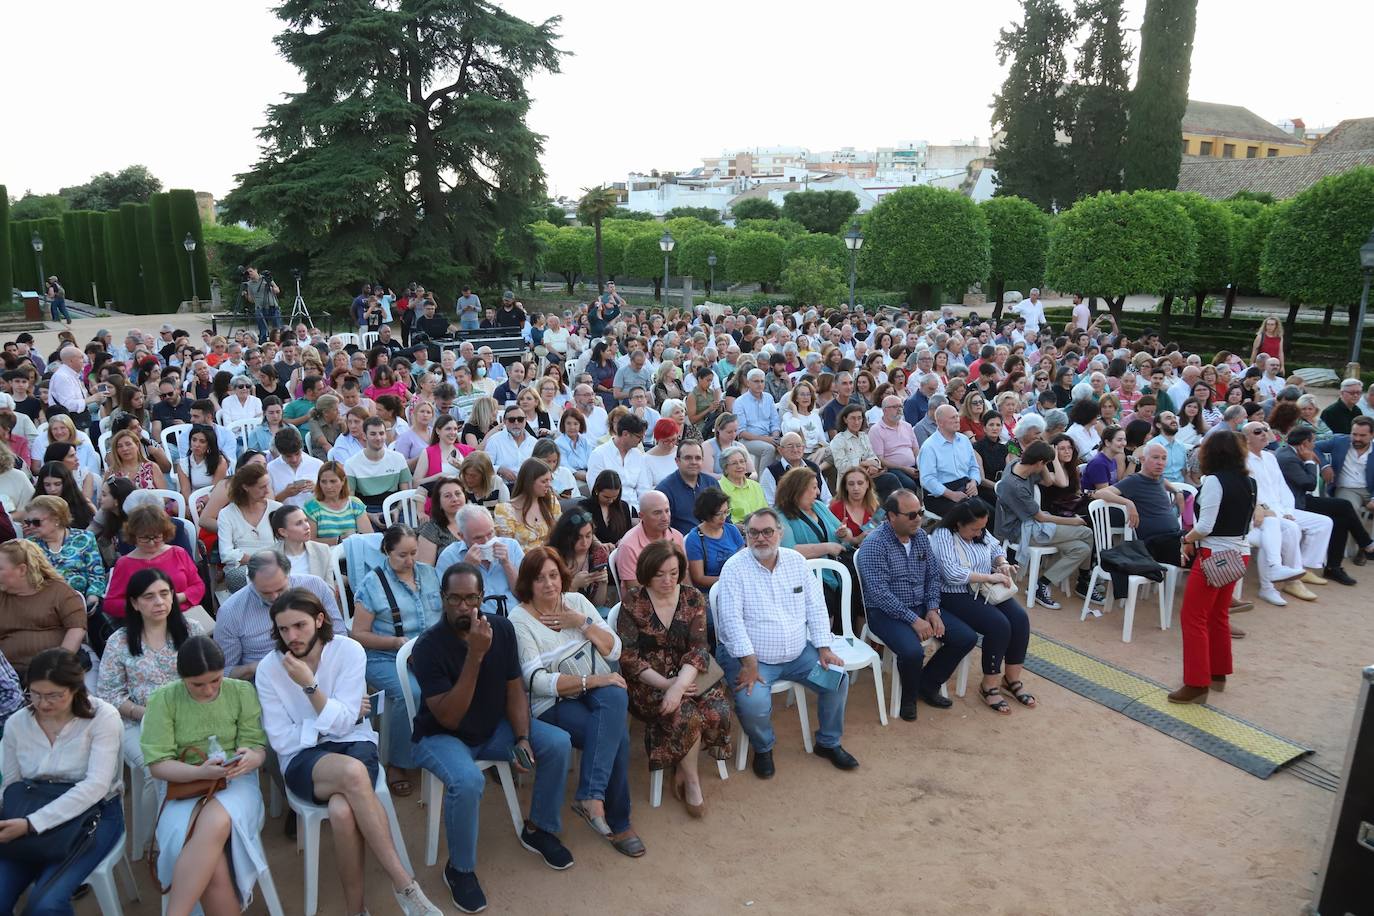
{"points": [[1005, 627], [381, 674], [263, 317], [57, 305], [56, 899], [454, 763], [755, 709], [902, 640], [468, 321], [596, 722]]}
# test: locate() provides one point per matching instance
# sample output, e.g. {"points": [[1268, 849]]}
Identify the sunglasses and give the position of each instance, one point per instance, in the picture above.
{"points": [[32, 522], [515, 419]]}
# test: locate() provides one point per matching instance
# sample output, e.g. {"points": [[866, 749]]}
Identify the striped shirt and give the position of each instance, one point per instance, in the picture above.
{"points": [[958, 557], [373, 481]]}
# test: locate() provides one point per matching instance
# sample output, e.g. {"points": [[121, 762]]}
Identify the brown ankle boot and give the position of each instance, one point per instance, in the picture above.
{"points": [[1186, 694]]}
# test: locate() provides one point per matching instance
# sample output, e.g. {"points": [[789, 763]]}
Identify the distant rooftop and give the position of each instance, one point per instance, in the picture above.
{"points": [[1350, 134], [1281, 176], [1211, 118]]}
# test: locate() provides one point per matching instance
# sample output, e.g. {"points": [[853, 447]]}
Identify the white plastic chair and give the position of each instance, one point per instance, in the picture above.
{"points": [[102, 881], [614, 569], [347, 338], [370, 340], [797, 691], [103, 444], [656, 776], [400, 507], [1030, 564], [311, 816], [170, 435], [192, 508], [855, 653], [1099, 513], [242, 429], [336, 558], [176, 497], [431, 790]]}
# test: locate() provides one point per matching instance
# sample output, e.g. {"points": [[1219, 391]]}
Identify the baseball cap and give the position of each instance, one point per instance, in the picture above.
{"points": [[508, 295]]}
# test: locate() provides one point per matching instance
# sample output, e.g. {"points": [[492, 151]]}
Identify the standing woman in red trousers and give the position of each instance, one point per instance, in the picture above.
{"points": [[1225, 511]]}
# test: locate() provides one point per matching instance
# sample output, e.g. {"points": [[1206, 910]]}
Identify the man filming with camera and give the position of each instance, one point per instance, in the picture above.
{"points": [[262, 292]]}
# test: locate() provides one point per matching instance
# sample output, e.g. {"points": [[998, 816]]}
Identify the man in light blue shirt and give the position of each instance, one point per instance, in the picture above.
{"points": [[512, 446], [760, 427], [498, 558], [947, 459], [1176, 454]]}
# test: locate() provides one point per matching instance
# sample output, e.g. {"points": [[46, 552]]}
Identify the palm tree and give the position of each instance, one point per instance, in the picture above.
{"points": [[595, 204]]}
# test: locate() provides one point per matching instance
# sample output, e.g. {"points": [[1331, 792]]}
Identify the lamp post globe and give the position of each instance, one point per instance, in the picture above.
{"points": [[189, 243], [37, 243], [666, 244], [853, 240]]}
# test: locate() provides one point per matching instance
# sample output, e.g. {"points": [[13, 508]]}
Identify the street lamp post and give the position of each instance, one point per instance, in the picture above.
{"points": [[37, 244], [189, 244], [666, 244], [711, 263], [853, 240], [1367, 267]]}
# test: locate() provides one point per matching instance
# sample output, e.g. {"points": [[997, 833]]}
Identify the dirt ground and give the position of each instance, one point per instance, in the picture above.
{"points": [[1069, 808]]}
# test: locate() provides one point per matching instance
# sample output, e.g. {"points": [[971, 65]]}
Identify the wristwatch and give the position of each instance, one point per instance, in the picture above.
{"points": [[311, 689], [586, 624]]}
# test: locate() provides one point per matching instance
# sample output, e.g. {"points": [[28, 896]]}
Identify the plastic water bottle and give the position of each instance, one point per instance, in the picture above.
{"points": [[216, 752]]}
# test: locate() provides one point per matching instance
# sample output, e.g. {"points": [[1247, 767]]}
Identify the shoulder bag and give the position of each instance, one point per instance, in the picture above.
{"points": [[203, 790], [63, 844], [990, 592], [1222, 567]]}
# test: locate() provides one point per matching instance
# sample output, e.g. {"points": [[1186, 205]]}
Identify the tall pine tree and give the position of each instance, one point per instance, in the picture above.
{"points": [[1031, 109], [1154, 136], [1098, 96], [407, 151]]}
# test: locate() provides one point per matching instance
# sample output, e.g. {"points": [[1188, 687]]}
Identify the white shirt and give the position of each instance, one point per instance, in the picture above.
{"points": [[1086, 439], [809, 427], [86, 752], [1082, 316], [64, 388], [289, 718], [234, 409], [1033, 312], [283, 474], [506, 453], [1353, 469], [632, 467], [596, 422], [1273, 490], [770, 615], [1268, 387]]}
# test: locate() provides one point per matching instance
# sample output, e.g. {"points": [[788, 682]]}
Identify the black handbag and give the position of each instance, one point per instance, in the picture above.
{"points": [[63, 844], [1131, 558]]}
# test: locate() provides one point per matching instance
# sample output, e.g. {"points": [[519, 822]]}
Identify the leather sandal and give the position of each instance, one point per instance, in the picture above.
{"points": [[1018, 691], [1000, 706], [596, 822]]}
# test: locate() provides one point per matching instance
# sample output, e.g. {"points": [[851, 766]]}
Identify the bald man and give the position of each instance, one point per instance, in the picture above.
{"points": [[655, 524], [65, 389], [948, 467]]}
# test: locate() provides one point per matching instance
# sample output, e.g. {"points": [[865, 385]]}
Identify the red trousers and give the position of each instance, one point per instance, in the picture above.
{"points": [[1206, 623]]}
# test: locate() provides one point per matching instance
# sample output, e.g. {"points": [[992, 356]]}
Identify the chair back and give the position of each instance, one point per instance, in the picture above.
{"points": [[103, 444], [336, 560], [821, 565], [403, 675], [370, 340], [169, 437], [614, 570], [613, 616], [347, 339], [400, 507], [242, 429], [175, 497], [193, 507], [1099, 514]]}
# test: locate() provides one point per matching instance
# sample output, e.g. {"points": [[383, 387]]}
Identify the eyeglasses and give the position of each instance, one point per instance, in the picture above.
{"points": [[1259, 432], [150, 538], [760, 532], [453, 599], [32, 522], [580, 518], [57, 697], [166, 395], [909, 516], [515, 419]]}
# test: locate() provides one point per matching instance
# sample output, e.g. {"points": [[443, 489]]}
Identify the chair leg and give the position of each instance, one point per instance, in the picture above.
{"points": [[309, 828], [877, 668], [397, 839], [274, 798], [1087, 599], [512, 800], [129, 881], [742, 747], [723, 769], [1132, 591], [896, 702], [431, 793], [655, 788], [961, 687], [269, 893], [799, 692], [1032, 577]]}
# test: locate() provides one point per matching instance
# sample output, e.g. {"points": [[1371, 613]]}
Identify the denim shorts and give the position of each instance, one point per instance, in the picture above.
{"points": [[299, 775]]}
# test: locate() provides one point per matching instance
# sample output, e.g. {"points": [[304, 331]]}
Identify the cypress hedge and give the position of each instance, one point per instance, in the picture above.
{"points": [[75, 277], [153, 295], [100, 264], [136, 298], [6, 260], [169, 254], [114, 264], [186, 220]]}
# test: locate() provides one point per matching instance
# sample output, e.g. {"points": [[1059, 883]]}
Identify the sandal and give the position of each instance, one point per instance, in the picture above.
{"points": [[1017, 690], [400, 788], [1000, 706], [594, 821]]}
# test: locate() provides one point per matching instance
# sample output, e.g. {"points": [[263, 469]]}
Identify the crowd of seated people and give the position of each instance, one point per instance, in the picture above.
{"points": [[620, 520]]}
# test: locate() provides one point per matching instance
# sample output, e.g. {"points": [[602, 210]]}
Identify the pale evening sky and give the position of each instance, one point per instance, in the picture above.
{"points": [[182, 88]]}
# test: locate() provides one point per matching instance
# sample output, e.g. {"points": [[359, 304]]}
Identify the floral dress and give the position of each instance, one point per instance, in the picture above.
{"points": [[646, 643], [78, 561], [511, 524]]}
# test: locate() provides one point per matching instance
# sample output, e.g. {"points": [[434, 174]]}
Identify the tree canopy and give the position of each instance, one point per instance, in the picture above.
{"points": [[407, 152], [756, 208], [1113, 245], [825, 249], [811, 282], [924, 239], [820, 211], [1153, 152], [1018, 237], [756, 257], [131, 185], [1312, 251], [1098, 98], [709, 215]]}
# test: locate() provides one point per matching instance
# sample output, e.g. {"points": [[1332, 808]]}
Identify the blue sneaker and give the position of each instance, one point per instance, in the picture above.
{"points": [[467, 893], [555, 854]]}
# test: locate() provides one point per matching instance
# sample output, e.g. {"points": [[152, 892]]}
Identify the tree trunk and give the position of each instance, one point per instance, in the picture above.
{"points": [[999, 288], [1199, 300], [1165, 311], [1092, 307], [1230, 304], [1326, 321], [570, 279], [1116, 307], [600, 266], [1289, 325]]}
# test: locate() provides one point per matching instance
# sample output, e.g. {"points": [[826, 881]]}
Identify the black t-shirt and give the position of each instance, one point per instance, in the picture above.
{"points": [[437, 662], [168, 415], [29, 407], [284, 372], [1154, 504], [510, 318], [435, 328]]}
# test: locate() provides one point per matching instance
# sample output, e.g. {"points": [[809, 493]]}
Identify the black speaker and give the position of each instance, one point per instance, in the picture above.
{"points": [[1346, 884]]}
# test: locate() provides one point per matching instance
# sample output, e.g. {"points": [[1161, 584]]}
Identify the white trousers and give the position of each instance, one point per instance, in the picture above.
{"points": [[1316, 537], [1278, 540]]}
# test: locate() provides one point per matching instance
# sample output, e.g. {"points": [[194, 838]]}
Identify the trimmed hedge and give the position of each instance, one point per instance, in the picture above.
{"points": [[130, 266], [153, 295], [169, 255], [6, 260], [185, 218]]}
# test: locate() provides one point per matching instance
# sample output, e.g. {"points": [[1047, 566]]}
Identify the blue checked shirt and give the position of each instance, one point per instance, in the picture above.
{"points": [[903, 584], [770, 615]]}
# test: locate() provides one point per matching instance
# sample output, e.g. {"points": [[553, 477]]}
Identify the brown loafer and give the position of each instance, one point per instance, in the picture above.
{"points": [[1219, 683], [1239, 607], [1186, 694], [1237, 632]]}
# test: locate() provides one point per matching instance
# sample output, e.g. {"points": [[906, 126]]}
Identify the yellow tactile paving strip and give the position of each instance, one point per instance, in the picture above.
{"points": [[1220, 734]]}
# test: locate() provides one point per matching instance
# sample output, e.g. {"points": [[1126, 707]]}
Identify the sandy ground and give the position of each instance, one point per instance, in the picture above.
{"points": [[1069, 808]]}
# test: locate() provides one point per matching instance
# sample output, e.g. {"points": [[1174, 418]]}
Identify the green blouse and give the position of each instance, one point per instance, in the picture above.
{"points": [[743, 500], [802, 530], [173, 721]]}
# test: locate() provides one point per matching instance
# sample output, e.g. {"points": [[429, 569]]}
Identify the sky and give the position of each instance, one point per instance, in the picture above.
{"points": [[644, 86]]}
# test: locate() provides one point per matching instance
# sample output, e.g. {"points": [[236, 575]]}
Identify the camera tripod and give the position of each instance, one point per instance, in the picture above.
{"points": [[298, 308]]}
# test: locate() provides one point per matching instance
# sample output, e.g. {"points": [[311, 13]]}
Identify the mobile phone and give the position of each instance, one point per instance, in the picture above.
{"points": [[522, 758], [232, 760], [599, 568]]}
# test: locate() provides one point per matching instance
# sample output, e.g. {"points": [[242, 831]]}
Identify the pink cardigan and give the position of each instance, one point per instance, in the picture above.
{"points": [[174, 561]]}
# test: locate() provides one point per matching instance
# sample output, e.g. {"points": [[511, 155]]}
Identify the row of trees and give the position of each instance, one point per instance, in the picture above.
{"points": [[1068, 136], [133, 256], [134, 184]]}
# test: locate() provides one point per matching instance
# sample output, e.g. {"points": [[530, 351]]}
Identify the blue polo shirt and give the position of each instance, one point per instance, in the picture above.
{"points": [[681, 498]]}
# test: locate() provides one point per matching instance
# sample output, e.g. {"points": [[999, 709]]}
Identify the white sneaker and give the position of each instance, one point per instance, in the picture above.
{"points": [[1277, 574], [414, 902], [1271, 594]]}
